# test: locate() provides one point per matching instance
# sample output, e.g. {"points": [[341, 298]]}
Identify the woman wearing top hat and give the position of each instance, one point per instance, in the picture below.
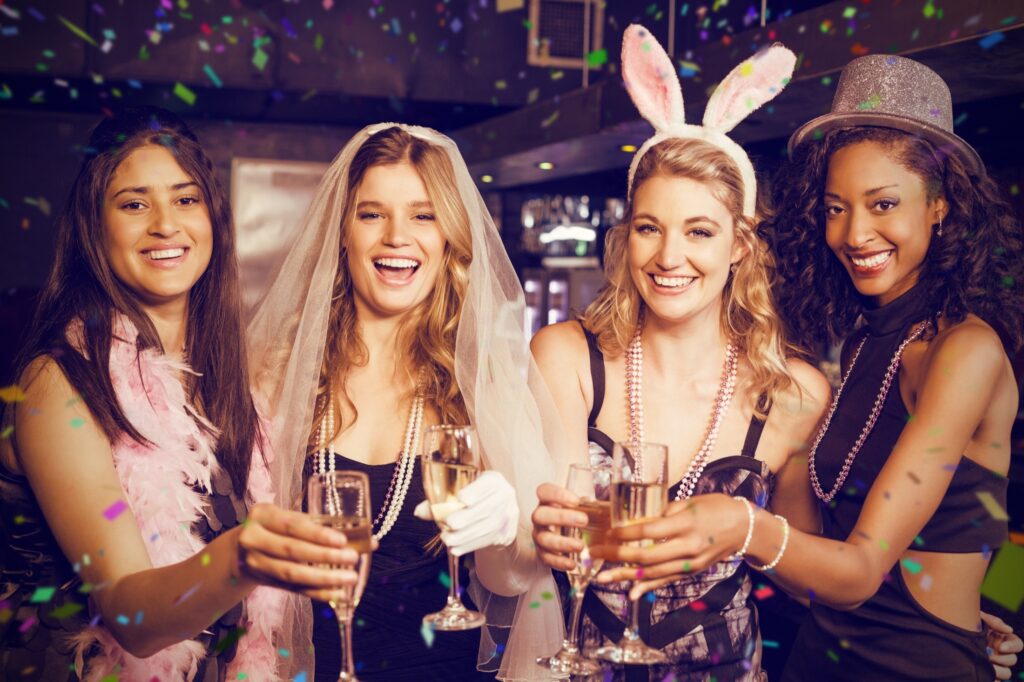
{"points": [[889, 235]]}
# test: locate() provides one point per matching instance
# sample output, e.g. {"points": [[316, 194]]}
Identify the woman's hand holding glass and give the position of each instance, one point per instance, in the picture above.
{"points": [[287, 549], [488, 517], [689, 537]]}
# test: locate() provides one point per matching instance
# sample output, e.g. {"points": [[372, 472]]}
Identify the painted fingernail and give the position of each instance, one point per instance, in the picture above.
{"points": [[639, 574]]}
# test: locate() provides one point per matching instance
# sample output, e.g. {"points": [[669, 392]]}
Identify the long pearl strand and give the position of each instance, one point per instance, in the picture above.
{"points": [[634, 392], [876, 409], [394, 499]]}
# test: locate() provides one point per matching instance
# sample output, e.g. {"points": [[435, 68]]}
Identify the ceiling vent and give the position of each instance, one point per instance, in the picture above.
{"points": [[564, 32]]}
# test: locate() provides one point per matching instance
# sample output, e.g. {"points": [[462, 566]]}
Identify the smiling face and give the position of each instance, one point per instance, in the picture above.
{"points": [[879, 219], [681, 244], [395, 247], [157, 228]]}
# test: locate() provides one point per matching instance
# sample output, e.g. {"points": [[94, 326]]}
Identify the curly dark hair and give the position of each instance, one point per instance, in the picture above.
{"points": [[974, 267]]}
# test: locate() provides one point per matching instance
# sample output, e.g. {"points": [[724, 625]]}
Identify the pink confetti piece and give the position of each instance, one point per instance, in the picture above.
{"points": [[115, 510]]}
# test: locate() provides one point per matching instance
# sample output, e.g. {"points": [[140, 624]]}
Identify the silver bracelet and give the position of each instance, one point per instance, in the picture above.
{"points": [[750, 529], [782, 549]]}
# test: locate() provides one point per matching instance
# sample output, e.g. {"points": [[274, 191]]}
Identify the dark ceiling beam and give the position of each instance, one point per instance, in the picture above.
{"points": [[582, 131]]}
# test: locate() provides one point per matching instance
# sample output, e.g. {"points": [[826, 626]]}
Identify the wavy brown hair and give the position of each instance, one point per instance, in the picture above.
{"points": [[975, 266], [749, 316], [426, 338], [83, 287]]}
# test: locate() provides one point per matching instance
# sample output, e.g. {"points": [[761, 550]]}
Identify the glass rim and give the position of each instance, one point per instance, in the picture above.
{"points": [[450, 427], [323, 476], [627, 445]]}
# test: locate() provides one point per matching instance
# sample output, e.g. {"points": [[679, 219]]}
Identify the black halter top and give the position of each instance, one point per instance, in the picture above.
{"points": [[961, 523], [892, 636]]}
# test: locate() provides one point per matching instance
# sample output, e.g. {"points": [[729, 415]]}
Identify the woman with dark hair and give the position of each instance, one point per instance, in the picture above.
{"points": [[886, 215], [135, 399]]}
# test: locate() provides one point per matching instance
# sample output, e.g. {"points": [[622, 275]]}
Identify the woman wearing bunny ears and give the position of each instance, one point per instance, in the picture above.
{"points": [[886, 215], [685, 335]]}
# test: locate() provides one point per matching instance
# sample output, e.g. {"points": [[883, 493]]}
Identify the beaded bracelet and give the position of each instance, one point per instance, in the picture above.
{"points": [[750, 529], [782, 549]]}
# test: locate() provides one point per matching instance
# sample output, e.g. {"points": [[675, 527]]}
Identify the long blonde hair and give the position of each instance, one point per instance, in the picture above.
{"points": [[749, 314], [426, 338]]}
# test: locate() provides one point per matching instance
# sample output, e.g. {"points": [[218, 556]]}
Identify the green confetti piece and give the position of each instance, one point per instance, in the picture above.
{"points": [[259, 59], [597, 58], [112, 677], [42, 595], [444, 579], [229, 639], [6, 433], [184, 94], [318, 42], [77, 423], [1002, 582], [212, 75], [66, 610], [535, 605], [912, 566], [547, 596], [849, 13], [833, 656], [78, 32]]}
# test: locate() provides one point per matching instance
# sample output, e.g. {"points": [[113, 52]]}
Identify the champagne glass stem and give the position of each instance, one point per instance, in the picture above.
{"points": [[348, 670], [572, 637], [453, 584], [633, 633]]}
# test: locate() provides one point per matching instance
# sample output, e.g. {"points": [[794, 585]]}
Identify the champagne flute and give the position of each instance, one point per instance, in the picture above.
{"points": [[451, 461], [341, 500], [639, 493], [592, 484]]}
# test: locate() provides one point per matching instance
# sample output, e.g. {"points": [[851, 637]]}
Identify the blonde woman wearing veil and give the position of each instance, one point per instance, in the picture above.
{"points": [[397, 308]]}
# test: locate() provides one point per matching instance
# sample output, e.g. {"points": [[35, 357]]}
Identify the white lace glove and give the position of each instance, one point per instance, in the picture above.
{"points": [[490, 516]]}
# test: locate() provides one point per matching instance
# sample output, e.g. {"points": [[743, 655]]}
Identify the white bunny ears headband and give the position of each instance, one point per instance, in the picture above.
{"points": [[654, 88]]}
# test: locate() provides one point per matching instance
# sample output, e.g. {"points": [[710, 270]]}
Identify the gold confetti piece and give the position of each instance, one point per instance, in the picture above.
{"points": [[994, 509], [12, 394]]}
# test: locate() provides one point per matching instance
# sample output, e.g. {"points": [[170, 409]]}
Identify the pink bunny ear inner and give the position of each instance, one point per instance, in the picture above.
{"points": [[651, 79], [752, 83]]}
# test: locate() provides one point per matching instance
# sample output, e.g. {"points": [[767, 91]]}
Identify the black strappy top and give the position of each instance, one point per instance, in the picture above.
{"points": [[705, 623]]}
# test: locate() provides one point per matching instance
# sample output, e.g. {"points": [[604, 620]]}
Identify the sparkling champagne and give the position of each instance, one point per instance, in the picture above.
{"points": [[359, 532], [599, 518], [441, 483], [636, 503]]}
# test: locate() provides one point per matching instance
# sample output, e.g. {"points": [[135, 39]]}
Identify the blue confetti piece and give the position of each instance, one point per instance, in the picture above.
{"points": [[301, 677], [123, 619], [991, 40]]}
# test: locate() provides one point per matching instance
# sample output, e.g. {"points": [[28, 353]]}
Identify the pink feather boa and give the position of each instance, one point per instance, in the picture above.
{"points": [[158, 485]]}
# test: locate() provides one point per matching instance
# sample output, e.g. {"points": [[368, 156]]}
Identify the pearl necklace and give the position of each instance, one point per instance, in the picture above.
{"points": [[890, 374], [634, 393], [394, 499]]}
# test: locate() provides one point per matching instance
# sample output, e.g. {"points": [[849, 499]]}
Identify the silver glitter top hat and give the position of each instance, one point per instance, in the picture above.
{"points": [[893, 92]]}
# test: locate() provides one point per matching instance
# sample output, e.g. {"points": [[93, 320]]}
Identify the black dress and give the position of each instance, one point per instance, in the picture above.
{"points": [[407, 581], [891, 636], [705, 623]]}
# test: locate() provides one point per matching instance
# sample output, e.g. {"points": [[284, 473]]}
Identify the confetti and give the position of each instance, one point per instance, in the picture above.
{"points": [[42, 595], [229, 639], [115, 510], [993, 507], [183, 93], [1002, 582], [301, 677], [12, 394], [77, 423], [911, 565], [212, 75], [259, 59], [444, 579], [427, 633], [78, 32], [597, 58], [65, 610], [991, 40]]}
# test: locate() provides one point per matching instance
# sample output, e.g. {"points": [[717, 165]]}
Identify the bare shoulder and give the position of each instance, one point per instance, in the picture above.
{"points": [[808, 395], [559, 342], [971, 337], [43, 379]]}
